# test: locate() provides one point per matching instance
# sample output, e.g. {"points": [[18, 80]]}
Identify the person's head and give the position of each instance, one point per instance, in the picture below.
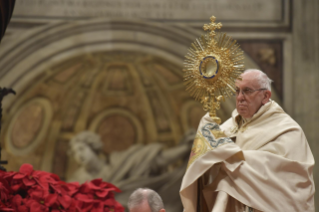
{"points": [[85, 146], [253, 91], [145, 200]]}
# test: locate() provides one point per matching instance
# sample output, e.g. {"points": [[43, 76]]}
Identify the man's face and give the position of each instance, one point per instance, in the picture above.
{"points": [[247, 105], [143, 207], [82, 153]]}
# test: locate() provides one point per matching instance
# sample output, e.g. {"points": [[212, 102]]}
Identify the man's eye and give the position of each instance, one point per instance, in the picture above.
{"points": [[246, 90]]}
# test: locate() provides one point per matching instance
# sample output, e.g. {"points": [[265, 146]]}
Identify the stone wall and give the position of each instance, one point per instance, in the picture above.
{"points": [[305, 63]]}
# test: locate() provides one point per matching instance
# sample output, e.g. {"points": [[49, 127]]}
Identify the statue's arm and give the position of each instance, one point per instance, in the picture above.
{"points": [[171, 155]]}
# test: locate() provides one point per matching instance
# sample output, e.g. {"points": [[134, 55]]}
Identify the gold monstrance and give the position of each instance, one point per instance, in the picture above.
{"points": [[212, 65]]}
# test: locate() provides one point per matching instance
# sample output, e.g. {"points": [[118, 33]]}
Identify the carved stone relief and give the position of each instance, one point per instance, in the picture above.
{"points": [[107, 97], [269, 56], [241, 12], [28, 126], [134, 80]]}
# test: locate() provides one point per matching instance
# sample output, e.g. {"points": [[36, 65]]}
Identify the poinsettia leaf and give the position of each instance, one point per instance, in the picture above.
{"points": [[65, 201], [97, 181], [28, 182], [19, 176], [26, 169], [86, 207], [113, 188], [91, 185], [98, 207], [16, 187], [37, 193], [58, 189], [55, 177], [16, 200], [50, 199], [42, 182], [23, 208], [118, 207], [8, 174], [109, 202], [85, 197], [37, 207], [72, 188], [104, 185], [84, 188], [102, 193], [6, 209]]}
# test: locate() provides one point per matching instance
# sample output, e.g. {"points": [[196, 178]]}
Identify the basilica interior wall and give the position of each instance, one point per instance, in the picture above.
{"points": [[115, 68]]}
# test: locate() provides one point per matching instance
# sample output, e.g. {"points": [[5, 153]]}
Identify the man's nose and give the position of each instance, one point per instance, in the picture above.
{"points": [[240, 96]]}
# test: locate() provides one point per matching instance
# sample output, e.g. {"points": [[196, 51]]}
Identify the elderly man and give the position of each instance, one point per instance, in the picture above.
{"points": [[258, 160], [145, 200]]}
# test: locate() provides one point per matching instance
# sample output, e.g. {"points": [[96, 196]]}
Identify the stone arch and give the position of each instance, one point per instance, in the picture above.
{"points": [[36, 52], [23, 60]]}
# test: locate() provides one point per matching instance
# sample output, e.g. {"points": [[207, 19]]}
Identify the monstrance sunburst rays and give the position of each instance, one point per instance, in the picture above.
{"points": [[212, 65]]}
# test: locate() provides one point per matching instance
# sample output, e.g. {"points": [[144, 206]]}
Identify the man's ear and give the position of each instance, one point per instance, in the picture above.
{"points": [[267, 95], [162, 210]]}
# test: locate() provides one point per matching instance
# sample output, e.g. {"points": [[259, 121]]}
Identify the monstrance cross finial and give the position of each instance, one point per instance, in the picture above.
{"points": [[212, 26]]}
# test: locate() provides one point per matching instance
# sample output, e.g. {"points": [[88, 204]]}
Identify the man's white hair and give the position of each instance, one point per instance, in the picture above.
{"points": [[261, 77], [145, 194]]}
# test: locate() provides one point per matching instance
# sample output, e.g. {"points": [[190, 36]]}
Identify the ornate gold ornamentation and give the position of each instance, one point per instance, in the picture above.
{"points": [[218, 134], [267, 55], [204, 142], [199, 148], [212, 65]]}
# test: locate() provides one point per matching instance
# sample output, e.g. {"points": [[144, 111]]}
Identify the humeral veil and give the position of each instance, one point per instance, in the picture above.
{"points": [[263, 165]]}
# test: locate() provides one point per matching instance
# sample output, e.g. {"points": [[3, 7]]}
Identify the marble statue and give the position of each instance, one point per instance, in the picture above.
{"points": [[139, 166]]}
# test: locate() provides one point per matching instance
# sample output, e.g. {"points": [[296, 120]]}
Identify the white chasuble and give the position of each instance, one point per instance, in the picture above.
{"points": [[263, 165]]}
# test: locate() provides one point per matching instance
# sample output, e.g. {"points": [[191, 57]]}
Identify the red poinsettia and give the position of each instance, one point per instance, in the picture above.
{"points": [[31, 190], [4, 191], [19, 204], [29, 177], [94, 196]]}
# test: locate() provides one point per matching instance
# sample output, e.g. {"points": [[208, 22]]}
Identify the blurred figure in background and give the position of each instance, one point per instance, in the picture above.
{"points": [[145, 200], [152, 166]]}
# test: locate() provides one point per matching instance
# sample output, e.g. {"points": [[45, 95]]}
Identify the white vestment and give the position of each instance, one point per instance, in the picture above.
{"points": [[268, 167]]}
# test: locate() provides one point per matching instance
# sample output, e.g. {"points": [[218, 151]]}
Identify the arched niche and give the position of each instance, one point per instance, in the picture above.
{"points": [[33, 57]]}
